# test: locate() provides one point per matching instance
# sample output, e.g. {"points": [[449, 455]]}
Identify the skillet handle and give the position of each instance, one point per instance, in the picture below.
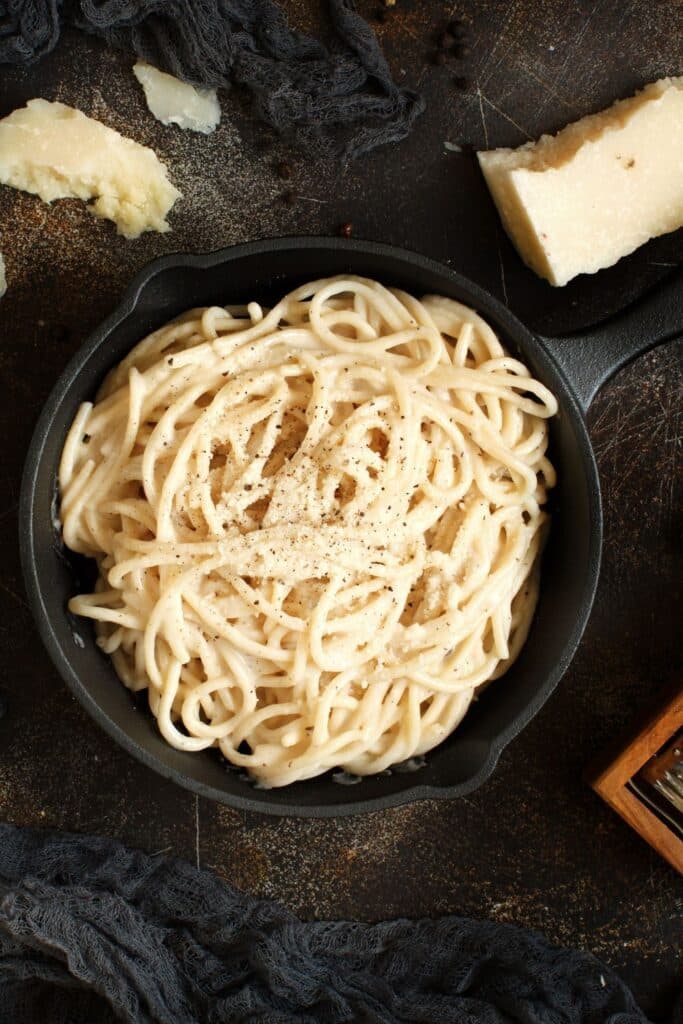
{"points": [[590, 357]]}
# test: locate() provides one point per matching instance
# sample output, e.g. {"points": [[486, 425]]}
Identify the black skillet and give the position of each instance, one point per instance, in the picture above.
{"points": [[573, 368]]}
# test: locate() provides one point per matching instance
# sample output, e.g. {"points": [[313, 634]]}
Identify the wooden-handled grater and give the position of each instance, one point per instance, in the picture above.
{"points": [[642, 778]]}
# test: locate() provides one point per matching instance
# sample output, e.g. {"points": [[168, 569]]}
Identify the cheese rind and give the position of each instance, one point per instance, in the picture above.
{"points": [[3, 279], [578, 201], [56, 152], [175, 102]]}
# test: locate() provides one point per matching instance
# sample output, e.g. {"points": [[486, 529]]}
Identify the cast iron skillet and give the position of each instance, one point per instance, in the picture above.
{"points": [[573, 368]]}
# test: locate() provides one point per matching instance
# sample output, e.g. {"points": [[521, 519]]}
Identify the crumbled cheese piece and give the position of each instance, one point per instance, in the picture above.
{"points": [[175, 102], [3, 279], [578, 201], [57, 152]]}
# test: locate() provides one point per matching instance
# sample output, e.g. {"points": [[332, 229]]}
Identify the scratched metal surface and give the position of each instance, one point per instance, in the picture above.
{"points": [[533, 846]]}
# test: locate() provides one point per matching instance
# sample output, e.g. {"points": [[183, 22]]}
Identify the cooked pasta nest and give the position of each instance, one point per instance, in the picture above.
{"points": [[317, 526]]}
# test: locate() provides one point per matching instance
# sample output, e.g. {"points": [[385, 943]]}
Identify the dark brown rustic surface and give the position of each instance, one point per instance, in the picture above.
{"points": [[534, 845]]}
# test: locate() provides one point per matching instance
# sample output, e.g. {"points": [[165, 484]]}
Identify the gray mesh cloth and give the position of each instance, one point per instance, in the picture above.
{"points": [[341, 97], [92, 932]]}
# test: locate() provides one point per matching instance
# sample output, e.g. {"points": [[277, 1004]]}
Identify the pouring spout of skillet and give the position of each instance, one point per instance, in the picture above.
{"points": [[573, 369]]}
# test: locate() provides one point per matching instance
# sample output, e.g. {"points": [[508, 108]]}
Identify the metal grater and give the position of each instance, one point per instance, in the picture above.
{"points": [[660, 783]]}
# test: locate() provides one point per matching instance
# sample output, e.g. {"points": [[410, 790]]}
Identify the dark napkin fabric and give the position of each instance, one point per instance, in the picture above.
{"points": [[341, 98], [92, 932]]}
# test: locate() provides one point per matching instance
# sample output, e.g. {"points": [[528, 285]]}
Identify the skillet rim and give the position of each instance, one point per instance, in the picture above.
{"points": [[261, 801]]}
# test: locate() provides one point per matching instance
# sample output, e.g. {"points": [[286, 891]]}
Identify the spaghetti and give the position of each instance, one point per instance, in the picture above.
{"points": [[317, 526]]}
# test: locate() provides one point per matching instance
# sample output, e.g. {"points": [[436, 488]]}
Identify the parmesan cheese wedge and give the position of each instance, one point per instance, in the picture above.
{"points": [[3, 279], [175, 102], [57, 152], [578, 201]]}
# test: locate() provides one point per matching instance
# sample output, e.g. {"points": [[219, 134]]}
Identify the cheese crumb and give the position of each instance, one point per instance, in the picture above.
{"points": [[56, 152], [578, 201], [3, 279], [175, 102]]}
